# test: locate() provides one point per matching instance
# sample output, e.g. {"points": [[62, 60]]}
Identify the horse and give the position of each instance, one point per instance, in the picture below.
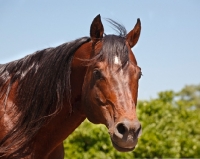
{"points": [[46, 95]]}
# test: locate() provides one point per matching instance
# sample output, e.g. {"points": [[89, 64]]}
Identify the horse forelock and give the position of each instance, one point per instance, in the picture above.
{"points": [[43, 82], [114, 49]]}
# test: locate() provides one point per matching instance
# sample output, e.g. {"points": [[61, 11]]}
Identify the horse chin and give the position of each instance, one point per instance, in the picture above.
{"points": [[121, 149]]}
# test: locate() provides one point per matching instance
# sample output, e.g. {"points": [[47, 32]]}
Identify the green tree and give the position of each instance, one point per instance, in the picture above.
{"points": [[190, 94], [171, 128]]}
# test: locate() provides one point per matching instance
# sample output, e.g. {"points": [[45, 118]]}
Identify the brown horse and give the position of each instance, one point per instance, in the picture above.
{"points": [[45, 96]]}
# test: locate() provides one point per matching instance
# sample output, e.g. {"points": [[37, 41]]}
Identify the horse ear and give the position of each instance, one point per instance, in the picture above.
{"points": [[96, 29], [133, 36]]}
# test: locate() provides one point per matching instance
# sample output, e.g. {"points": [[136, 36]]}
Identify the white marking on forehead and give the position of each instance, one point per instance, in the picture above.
{"points": [[117, 60]]}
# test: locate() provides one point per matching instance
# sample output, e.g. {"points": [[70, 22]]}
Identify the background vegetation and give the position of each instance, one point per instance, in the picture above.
{"points": [[171, 128]]}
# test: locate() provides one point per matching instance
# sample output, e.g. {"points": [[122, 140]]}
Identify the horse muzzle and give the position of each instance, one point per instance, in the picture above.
{"points": [[125, 135]]}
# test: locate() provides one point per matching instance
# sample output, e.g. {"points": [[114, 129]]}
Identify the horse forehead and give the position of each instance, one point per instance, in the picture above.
{"points": [[117, 60]]}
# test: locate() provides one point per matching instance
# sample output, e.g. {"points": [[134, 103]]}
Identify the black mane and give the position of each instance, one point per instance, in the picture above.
{"points": [[43, 81]]}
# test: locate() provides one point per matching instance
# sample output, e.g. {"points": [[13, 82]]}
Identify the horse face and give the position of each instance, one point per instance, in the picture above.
{"points": [[110, 90]]}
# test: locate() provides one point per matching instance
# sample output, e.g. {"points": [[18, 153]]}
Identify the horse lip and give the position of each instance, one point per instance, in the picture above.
{"points": [[121, 149]]}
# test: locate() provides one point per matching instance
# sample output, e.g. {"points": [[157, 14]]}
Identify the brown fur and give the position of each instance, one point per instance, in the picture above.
{"points": [[45, 96]]}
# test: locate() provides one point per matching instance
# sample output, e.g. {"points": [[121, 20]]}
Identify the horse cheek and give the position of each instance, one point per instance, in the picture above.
{"points": [[101, 100]]}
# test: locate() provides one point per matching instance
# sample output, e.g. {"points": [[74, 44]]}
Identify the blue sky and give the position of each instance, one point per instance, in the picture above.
{"points": [[168, 50]]}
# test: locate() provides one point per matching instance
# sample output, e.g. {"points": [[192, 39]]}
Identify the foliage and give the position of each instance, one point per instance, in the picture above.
{"points": [[171, 128], [91, 141], [191, 94]]}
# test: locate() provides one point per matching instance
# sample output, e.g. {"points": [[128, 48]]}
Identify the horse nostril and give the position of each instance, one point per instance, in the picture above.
{"points": [[139, 131], [121, 128]]}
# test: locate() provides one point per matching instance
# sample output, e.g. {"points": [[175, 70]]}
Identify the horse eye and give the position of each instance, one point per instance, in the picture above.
{"points": [[97, 74], [140, 75]]}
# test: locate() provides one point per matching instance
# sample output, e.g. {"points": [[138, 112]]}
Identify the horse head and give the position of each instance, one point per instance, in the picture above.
{"points": [[110, 88]]}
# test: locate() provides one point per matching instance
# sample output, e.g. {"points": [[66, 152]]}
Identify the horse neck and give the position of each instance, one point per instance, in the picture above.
{"points": [[67, 124], [78, 71]]}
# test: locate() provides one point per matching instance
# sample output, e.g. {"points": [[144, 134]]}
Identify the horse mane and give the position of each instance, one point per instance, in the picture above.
{"points": [[43, 80]]}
